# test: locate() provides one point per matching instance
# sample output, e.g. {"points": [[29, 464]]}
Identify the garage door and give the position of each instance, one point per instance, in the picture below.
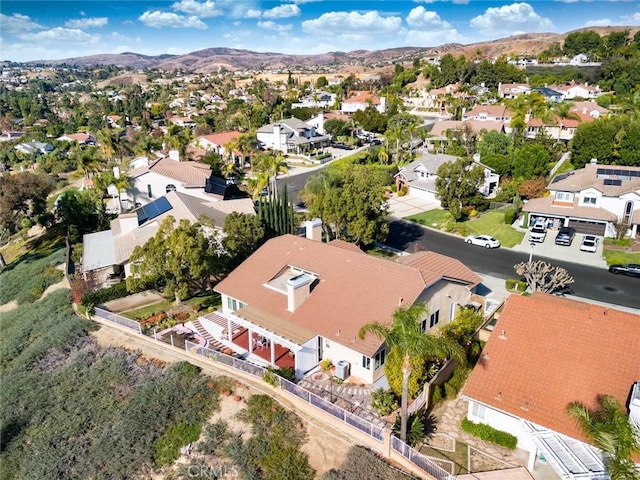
{"points": [[589, 228]]}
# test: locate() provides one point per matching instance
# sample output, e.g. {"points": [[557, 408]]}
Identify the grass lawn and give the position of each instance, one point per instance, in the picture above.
{"points": [[207, 302], [617, 256], [437, 218], [459, 457], [492, 223]]}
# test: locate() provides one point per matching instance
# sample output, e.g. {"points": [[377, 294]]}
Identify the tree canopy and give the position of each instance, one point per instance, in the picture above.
{"points": [[457, 184]]}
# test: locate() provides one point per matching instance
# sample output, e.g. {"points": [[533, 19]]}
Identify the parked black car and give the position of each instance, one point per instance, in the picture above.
{"points": [[342, 146], [565, 236], [631, 269]]}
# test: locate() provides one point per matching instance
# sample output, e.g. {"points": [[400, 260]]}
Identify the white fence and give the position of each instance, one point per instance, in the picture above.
{"points": [[420, 460], [375, 431], [119, 319]]}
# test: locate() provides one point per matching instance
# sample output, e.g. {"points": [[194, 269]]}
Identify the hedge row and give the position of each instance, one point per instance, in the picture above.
{"points": [[488, 433], [91, 299]]}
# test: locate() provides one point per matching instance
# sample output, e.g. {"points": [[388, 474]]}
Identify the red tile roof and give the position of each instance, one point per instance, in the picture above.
{"points": [[221, 138], [362, 97], [190, 174], [352, 289], [547, 352], [434, 266]]}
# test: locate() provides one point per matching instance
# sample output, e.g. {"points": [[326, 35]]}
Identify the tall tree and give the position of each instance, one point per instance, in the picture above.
{"points": [[22, 196], [457, 183], [544, 277], [182, 259], [405, 336], [243, 235], [612, 431]]}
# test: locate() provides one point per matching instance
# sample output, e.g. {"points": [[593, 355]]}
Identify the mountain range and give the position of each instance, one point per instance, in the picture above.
{"points": [[215, 59]]}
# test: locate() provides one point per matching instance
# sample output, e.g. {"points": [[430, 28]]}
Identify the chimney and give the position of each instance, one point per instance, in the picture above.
{"points": [[313, 229], [298, 289], [594, 161], [174, 155]]}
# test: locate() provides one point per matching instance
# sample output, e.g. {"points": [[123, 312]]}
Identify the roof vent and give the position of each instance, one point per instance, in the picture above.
{"points": [[503, 335]]}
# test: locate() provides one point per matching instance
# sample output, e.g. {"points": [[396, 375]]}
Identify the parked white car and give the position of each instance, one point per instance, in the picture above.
{"points": [[589, 243], [483, 240], [538, 231]]}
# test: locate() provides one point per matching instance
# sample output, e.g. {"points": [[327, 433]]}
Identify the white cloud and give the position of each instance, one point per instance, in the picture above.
{"points": [[601, 22], [419, 17], [168, 19], [84, 23], [271, 25], [631, 19], [282, 11], [17, 23], [511, 19], [457, 2], [253, 13], [352, 23], [206, 9], [61, 35]]}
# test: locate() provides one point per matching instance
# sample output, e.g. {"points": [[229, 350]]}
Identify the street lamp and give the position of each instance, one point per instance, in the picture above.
{"points": [[531, 251]]}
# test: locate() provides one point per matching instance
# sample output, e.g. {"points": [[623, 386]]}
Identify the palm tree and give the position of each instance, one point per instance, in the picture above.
{"points": [[268, 167], [87, 162], [406, 336], [611, 430]]}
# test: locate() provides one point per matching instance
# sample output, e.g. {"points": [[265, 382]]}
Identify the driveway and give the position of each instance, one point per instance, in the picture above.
{"points": [[407, 205], [571, 253]]}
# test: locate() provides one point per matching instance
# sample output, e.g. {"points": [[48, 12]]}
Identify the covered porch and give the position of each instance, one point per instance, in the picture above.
{"points": [[263, 339]]}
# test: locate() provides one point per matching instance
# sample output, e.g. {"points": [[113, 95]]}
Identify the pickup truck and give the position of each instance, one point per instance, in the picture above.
{"points": [[538, 232]]}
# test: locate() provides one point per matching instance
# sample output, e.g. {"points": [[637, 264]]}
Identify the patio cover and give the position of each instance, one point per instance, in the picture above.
{"points": [[281, 327], [98, 250]]}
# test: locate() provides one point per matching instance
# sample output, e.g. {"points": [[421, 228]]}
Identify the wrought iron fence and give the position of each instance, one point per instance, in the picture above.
{"points": [[118, 319], [361, 424], [420, 460]]}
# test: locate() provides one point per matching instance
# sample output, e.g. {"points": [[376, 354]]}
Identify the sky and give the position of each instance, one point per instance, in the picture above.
{"points": [[48, 30]]}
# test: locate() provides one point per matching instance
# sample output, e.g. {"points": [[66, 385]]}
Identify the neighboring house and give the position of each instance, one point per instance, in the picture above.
{"points": [[291, 136], [305, 301], [560, 129], [588, 111], [572, 90], [155, 179], [114, 120], [182, 121], [79, 138], [512, 90], [544, 353], [489, 113], [316, 100], [420, 176], [592, 199], [107, 253], [360, 100], [549, 94], [216, 142], [8, 136], [33, 147]]}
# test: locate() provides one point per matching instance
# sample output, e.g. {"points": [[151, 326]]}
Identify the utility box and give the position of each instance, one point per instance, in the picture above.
{"points": [[342, 369]]}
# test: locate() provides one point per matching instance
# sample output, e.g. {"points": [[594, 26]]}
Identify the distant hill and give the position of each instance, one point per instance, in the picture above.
{"points": [[214, 59]]}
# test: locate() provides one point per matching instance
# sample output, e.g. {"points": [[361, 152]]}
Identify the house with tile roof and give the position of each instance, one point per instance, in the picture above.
{"points": [[158, 177], [591, 200], [512, 90], [292, 135], [217, 142], [546, 352], [299, 301], [107, 252], [360, 100], [572, 90], [79, 138], [420, 176], [489, 113]]}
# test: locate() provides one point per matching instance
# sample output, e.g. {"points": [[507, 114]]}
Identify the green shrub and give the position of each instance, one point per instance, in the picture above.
{"points": [[488, 433], [415, 429], [91, 299], [26, 280], [383, 401], [270, 377], [326, 364], [515, 285], [167, 447], [510, 216], [453, 386], [36, 286]]}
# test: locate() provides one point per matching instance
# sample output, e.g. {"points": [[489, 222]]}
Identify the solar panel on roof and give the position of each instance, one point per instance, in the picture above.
{"points": [[153, 210], [600, 171]]}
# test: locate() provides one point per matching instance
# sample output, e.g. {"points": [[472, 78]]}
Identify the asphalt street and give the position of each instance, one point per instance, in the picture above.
{"points": [[591, 283]]}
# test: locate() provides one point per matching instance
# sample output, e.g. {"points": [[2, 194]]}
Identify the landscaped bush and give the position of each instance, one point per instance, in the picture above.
{"points": [[167, 447], [415, 429], [453, 386], [510, 216], [488, 433], [515, 285], [91, 299], [383, 401]]}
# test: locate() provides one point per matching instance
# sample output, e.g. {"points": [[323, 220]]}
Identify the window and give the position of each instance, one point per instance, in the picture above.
{"points": [[478, 410], [379, 359], [327, 343], [589, 200], [366, 362], [564, 197], [423, 325], [434, 319], [149, 192], [170, 188], [232, 303], [628, 213]]}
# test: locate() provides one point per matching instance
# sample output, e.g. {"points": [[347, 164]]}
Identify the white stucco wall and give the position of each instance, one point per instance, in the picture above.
{"points": [[138, 193], [336, 352]]}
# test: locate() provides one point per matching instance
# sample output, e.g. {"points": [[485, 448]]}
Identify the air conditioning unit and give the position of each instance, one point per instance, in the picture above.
{"points": [[342, 369]]}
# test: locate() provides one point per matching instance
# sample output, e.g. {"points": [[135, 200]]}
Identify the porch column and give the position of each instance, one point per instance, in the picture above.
{"points": [[229, 330], [272, 345], [531, 463], [250, 345]]}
